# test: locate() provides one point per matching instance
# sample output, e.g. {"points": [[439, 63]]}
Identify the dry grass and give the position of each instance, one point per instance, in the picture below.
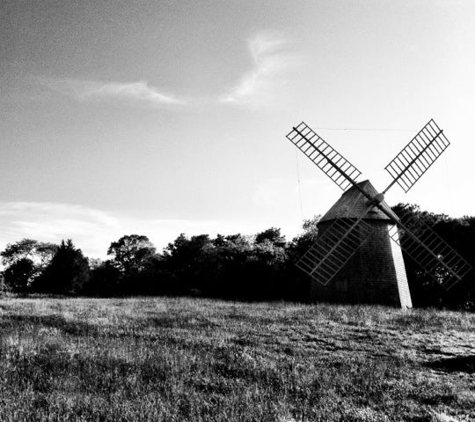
{"points": [[203, 360]]}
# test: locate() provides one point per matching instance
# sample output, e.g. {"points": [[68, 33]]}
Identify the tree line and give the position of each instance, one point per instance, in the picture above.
{"points": [[258, 267]]}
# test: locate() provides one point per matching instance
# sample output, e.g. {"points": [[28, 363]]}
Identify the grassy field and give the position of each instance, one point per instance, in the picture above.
{"points": [[203, 360]]}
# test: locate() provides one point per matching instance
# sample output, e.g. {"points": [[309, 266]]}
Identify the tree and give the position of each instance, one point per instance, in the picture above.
{"points": [[19, 250], [271, 235], [105, 279], [132, 254], [459, 233], [42, 252], [25, 261], [188, 261], [18, 275], [298, 282], [3, 287], [304, 241], [67, 273]]}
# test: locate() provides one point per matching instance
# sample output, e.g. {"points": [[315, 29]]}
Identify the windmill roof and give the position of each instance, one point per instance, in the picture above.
{"points": [[353, 204]]}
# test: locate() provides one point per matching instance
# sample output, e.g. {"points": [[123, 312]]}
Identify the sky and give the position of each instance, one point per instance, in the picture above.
{"points": [[168, 116]]}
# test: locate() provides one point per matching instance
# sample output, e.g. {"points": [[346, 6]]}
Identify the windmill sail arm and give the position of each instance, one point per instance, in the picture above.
{"points": [[336, 163], [412, 163], [417, 156], [331, 162], [430, 252], [334, 248]]}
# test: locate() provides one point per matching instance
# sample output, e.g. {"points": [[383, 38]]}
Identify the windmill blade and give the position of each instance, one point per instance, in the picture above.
{"points": [[333, 164], [334, 248], [417, 156], [431, 252]]}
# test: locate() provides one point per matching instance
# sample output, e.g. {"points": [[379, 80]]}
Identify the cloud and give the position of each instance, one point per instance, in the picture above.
{"points": [[93, 230], [139, 92], [52, 222], [262, 85]]}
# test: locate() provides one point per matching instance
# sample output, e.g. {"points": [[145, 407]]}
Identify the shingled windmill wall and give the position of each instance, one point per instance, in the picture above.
{"points": [[376, 273]]}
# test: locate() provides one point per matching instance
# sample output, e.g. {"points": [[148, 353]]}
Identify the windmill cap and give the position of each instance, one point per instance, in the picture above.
{"points": [[353, 204]]}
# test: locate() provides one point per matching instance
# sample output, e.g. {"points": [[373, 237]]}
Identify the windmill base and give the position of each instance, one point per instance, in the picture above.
{"points": [[374, 275]]}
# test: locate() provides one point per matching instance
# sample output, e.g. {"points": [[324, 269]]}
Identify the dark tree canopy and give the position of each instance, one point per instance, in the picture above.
{"points": [[25, 261], [67, 273], [310, 226], [300, 244], [260, 267], [20, 250], [131, 253], [271, 235], [229, 266], [28, 248], [19, 275], [459, 233]]}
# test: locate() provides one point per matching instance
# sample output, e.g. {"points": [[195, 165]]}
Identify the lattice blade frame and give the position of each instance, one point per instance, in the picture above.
{"points": [[332, 163], [417, 156], [334, 248], [433, 254]]}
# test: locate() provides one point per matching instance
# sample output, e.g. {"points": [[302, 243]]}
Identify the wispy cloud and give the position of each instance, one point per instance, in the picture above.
{"points": [[262, 85], [93, 230], [52, 222], [140, 92]]}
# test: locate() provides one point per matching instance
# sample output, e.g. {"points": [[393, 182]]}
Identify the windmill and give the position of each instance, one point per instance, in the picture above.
{"points": [[358, 253]]}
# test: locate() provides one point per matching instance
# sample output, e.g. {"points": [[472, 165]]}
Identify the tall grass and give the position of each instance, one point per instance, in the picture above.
{"points": [[202, 360]]}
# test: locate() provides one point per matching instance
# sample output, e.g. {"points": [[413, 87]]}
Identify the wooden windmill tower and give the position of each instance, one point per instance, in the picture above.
{"points": [[357, 257]]}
